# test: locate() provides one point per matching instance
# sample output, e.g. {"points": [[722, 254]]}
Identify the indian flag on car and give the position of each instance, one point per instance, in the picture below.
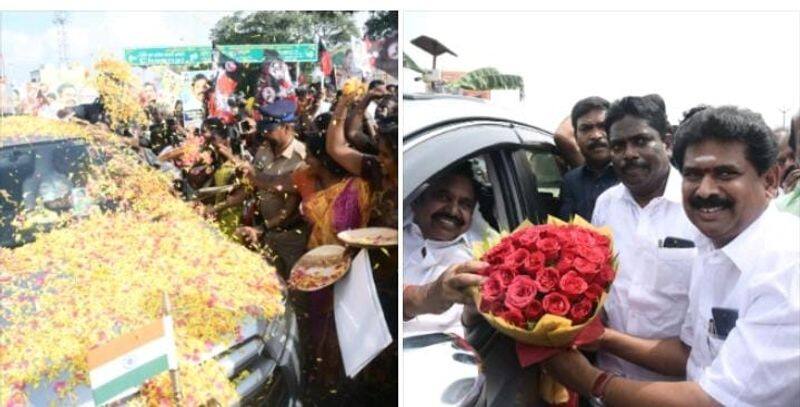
{"points": [[118, 368]]}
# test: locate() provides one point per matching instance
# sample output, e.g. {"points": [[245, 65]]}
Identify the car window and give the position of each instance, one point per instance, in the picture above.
{"points": [[544, 166], [39, 183], [489, 215], [430, 153], [540, 181], [488, 206]]}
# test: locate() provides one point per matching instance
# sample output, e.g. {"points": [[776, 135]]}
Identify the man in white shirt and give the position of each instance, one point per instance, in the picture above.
{"points": [[739, 341], [650, 294], [437, 254]]}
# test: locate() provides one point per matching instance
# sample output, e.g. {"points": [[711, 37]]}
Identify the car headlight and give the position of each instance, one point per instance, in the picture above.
{"points": [[276, 331]]}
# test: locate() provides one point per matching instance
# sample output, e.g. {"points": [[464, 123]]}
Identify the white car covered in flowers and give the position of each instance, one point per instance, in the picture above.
{"points": [[91, 237]]}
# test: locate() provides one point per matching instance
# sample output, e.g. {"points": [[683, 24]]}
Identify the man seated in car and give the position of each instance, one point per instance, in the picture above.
{"points": [[50, 188], [438, 268], [437, 252]]}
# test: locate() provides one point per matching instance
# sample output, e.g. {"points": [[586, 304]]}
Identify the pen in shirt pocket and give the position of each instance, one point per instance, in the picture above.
{"points": [[675, 243]]}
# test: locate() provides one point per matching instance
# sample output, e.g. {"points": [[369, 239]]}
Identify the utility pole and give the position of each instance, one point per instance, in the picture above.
{"points": [[783, 110], [2, 61], [60, 20]]}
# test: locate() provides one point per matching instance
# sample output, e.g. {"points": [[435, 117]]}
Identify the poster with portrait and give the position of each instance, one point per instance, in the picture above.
{"points": [[275, 80]]}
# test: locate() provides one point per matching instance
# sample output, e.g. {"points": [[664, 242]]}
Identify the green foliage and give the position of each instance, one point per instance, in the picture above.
{"points": [[487, 79], [380, 24], [284, 27], [410, 64]]}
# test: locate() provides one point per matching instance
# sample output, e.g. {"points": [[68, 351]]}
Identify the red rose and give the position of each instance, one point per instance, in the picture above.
{"points": [[572, 284], [596, 255], [533, 264], [601, 240], [527, 238], [504, 273], [498, 253], [565, 263], [547, 279], [533, 311], [491, 307], [549, 246], [517, 258], [581, 311], [585, 238], [605, 276], [584, 266], [493, 290], [513, 316], [593, 292], [556, 304], [520, 292]]}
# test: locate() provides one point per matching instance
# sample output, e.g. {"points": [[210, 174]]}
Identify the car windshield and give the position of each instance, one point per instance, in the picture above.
{"points": [[42, 185]]}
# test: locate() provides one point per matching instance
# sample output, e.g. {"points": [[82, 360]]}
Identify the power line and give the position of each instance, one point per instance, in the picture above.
{"points": [[60, 20]]}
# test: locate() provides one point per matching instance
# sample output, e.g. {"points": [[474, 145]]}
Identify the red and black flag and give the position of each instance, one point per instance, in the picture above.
{"points": [[326, 64], [228, 74], [388, 55]]}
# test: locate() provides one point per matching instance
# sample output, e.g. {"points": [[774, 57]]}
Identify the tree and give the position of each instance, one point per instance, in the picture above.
{"points": [[410, 64], [489, 79], [380, 24], [284, 27]]}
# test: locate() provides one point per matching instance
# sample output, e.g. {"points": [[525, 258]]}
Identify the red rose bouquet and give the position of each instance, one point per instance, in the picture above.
{"points": [[546, 283]]}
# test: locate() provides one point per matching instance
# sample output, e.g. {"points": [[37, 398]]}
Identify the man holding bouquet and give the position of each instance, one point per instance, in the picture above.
{"points": [[650, 294], [738, 344], [436, 254]]}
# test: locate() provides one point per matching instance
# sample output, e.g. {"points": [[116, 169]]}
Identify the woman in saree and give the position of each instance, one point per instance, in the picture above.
{"points": [[380, 172], [333, 201]]}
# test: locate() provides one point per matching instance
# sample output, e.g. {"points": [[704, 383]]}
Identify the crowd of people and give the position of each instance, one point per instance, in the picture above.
{"points": [[705, 216], [288, 177], [283, 178]]}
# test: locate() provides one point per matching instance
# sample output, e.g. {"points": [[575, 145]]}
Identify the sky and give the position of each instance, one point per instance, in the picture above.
{"points": [[747, 59], [29, 39]]}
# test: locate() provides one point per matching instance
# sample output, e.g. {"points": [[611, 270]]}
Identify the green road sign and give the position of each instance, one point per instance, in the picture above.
{"points": [[202, 54]]}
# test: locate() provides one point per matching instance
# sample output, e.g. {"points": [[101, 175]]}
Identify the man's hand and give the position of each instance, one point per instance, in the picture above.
{"points": [[208, 211], [439, 296], [573, 370], [246, 168], [249, 234], [595, 345], [451, 287]]}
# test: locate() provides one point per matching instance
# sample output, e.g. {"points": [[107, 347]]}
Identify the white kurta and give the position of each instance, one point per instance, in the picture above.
{"points": [[423, 262], [758, 275], [650, 295]]}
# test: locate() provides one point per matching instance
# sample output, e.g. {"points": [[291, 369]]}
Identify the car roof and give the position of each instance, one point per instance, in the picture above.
{"points": [[37, 139], [422, 111]]}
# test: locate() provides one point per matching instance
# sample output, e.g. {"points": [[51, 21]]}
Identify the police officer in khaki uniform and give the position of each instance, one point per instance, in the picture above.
{"points": [[280, 228]]}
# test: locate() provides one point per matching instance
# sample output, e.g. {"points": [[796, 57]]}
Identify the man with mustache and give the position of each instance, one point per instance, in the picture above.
{"points": [[650, 294], [438, 267], [437, 254], [280, 228], [584, 184], [739, 341]]}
